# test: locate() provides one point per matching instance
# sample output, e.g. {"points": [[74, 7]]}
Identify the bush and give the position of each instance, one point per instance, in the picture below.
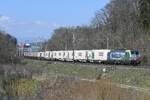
{"points": [[8, 48]]}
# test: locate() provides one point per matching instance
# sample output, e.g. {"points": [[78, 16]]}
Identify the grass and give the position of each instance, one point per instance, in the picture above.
{"points": [[99, 90], [136, 77], [128, 76], [65, 69], [70, 69], [21, 87]]}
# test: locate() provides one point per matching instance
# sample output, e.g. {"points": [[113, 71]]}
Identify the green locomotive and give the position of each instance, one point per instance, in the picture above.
{"points": [[124, 56]]}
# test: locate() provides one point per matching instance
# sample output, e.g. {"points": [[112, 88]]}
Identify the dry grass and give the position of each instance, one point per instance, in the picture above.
{"points": [[68, 88], [34, 82], [83, 90]]}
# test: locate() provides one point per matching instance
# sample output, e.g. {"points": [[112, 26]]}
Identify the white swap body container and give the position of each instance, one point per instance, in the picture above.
{"points": [[25, 54], [50, 55], [31, 54], [34, 54], [100, 55], [41, 54], [69, 55], [60, 55], [80, 55], [89, 54], [65, 55], [38, 54], [55, 55], [47, 55]]}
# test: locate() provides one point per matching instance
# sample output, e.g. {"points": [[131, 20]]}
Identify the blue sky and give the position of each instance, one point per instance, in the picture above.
{"points": [[36, 19]]}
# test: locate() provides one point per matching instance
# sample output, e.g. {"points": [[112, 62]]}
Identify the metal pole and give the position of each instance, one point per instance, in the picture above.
{"points": [[46, 46], [73, 41], [107, 42]]}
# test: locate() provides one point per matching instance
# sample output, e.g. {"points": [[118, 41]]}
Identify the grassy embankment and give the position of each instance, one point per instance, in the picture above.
{"points": [[129, 76], [34, 79]]}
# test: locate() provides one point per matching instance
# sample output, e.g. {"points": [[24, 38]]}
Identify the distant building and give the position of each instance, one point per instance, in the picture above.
{"points": [[26, 47]]}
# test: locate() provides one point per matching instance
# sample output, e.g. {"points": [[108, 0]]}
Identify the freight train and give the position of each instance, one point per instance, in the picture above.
{"points": [[106, 56]]}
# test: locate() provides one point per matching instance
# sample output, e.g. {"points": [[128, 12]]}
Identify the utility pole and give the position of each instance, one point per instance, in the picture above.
{"points": [[73, 41], [107, 42], [46, 45], [66, 38]]}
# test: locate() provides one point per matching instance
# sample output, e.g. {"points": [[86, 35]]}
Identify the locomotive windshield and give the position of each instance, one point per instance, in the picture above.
{"points": [[135, 53]]}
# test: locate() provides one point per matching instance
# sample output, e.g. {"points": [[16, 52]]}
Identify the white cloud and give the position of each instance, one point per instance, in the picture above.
{"points": [[55, 25], [5, 22], [27, 28], [39, 22], [4, 18], [45, 24], [8, 23]]}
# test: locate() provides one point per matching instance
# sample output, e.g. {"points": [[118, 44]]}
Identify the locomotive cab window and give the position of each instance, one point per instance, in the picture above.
{"points": [[134, 52]]}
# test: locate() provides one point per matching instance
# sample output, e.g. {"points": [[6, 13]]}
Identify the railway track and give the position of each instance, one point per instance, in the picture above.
{"points": [[98, 65]]}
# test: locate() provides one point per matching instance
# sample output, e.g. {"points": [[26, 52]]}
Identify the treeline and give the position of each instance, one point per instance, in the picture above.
{"points": [[74, 37], [8, 48], [121, 24]]}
